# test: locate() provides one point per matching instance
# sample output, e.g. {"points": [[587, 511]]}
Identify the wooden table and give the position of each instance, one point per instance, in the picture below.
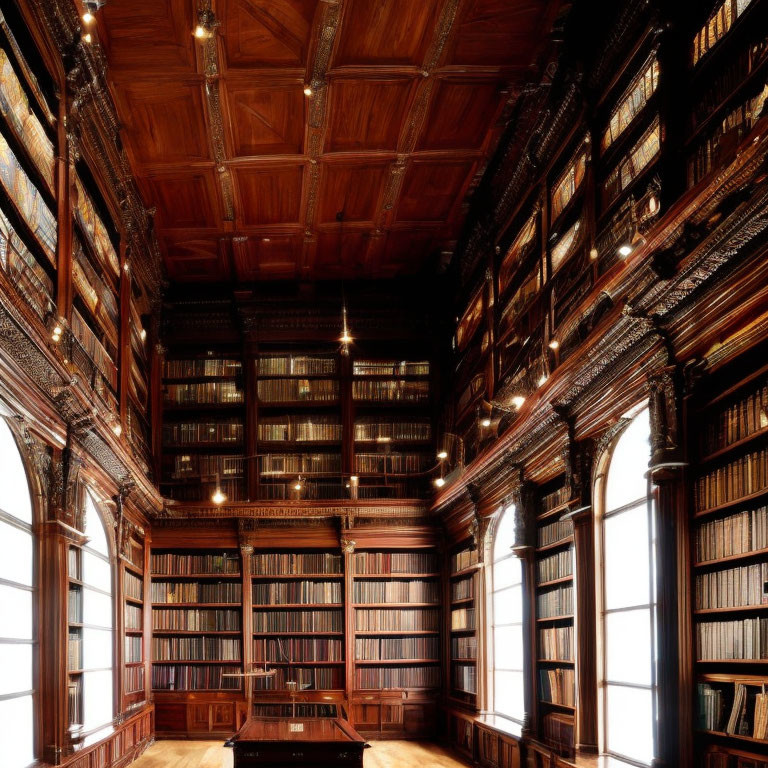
{"points": [[311, 742]]}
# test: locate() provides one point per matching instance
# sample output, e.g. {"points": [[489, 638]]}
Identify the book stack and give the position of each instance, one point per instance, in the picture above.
{"points": [[733, 535], [390, 368], [297, 592], [556, 602], [296, 365], [396, 648], [380, 678], [212, 367], [557, 686], [300, 429], [297, 649], [186, 677], [195, 620], [208, 393], [390, 390], [195, 592], [170, 564], [555, 566], [736, 421], [554, 532], [556, 643], [297, 390], [732, 587], [400, 591], [372, 430], [276, 563], [196, 649], [465, 678], [203, 433], [741, 477]]}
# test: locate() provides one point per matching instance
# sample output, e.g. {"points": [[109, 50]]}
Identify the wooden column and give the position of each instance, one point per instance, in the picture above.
{"points": [[348, 555], [531, 725], [246, 654], [124, 352], [157, 363], [347, 416], [63, 217], [146, 618], [251, 424]]}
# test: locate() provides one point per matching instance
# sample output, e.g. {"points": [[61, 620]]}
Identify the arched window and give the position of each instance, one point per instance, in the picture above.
{"points": [[505, 612], [97, 707], [17, 622], [627, 578]]}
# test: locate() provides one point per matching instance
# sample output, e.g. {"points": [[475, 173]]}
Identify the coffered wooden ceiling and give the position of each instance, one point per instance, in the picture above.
{"points": [[249, 175]]}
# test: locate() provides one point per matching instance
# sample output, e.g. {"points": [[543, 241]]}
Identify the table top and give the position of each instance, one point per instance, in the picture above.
{"points": [[299, 729]]}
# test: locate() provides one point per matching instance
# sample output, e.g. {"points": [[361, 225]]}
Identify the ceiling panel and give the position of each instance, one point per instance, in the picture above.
{"points": [[407, 99]]}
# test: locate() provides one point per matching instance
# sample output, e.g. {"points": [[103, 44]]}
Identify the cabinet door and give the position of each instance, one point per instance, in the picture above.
{"points": [[366, 716], [392, 718], [170, 718], [223, 716], [419, 719], [199, 717]]}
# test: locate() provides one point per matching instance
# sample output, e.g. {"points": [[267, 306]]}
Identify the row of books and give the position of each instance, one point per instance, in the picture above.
{"points": [[297, 390], [391, 391], [633, 163], [301, 592], [196, 649], [196, 490], [397, 463], [737, 421], [296, 463], [555, 602], [463, 589], [399, 591], [298, 621], [132, 616], [384, 431], [462, 618], [558, 686], [283, 563], [299, 429], [306, 679], [382, 678], [196, 619], [213, 393], [133, 586], [464, 647], [186, 677], [134, 679], [75, 700], [463, 559], [554, 532], [717, 26], [75, 650], [75, 605], [132, 649], [296, 365], [73, 563], [556, 643], [465, 678], [385, 563], [554, 499], [195, 433], [390, 368], [207, 465], [299, 649], [310, 489], [746, 475], [394, 648], [555, 566], [210, 366], [403, 619], [733, 535], [733, 587], [171, 564], [194, 592], [747, 714], [741, 639], [97, 352]]}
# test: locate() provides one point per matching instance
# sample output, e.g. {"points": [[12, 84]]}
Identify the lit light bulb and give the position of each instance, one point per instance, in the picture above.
{"points": [[354, 479], [554, 344], [442, 455], [143, 334], [87, 37], [87, 17], [297, 487], [200, 32], [518, 401], [56, 334], [218, 497], [439, 482], [307, 91], [117, 429], [593, 254], [345, 338], [542, 380], [625, 250], [486, 422], [653, 204]]}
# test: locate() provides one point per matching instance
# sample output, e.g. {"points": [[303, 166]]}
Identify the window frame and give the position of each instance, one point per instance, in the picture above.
{"points": [[30, 528], [600, 486]]}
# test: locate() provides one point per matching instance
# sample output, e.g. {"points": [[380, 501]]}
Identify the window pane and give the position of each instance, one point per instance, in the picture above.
{"points": [[17, 732], [14, 489], [630, 723], [628, 647], [508, 605], [97, 699], [504, 538], [629, 463], [508, 647], [94, 529], [506, 572], [15, 613], [15, 554], [97, 648], [16, 666], [627, 558], [97, 572], [508, 692], [97, 608]]}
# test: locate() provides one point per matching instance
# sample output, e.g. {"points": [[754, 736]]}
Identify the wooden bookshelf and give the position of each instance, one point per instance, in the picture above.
{"points": [[134, 656], [462, 627], [555, 640], [75, 638]]}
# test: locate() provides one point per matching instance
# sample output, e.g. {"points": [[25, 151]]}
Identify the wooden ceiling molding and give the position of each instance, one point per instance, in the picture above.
{"points": [[408, 102]]}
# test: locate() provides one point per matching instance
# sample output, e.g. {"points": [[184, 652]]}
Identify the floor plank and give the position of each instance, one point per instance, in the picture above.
{"points": [[211, 754]]}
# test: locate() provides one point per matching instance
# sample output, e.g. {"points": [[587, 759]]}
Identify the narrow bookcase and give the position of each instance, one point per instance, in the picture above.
{"points": [[555, 642], [395, 618], [196, 620], [298, 619], [133, 592], [729, 549], [462, 624], [75, 637]]}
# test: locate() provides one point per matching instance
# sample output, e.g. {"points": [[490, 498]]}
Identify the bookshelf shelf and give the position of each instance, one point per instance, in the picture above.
{"points": [[552, 582], [733, 609], [728, 505], [735, 446], [560, 509], [755, 553], [568, 662], [282, 606], [319, 633]]}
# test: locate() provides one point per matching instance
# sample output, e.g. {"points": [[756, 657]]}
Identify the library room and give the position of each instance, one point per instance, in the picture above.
{"points": [[384, 383]]}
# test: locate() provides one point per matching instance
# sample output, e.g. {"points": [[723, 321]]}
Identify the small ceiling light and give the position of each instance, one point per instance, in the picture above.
{"points": [[206, 25], [439, 482], [383, 439], [87, 17], [442, 455], [354, 479], [593, 254], [518, 401], [297, 486], [653, 204], [266, 240], [143, 334], [218, 497], [87, 37], [554, 344], [345, 338], [56, 334], [485, 422], [117, 429], [307, 91], [625, 250], [542, 380]]}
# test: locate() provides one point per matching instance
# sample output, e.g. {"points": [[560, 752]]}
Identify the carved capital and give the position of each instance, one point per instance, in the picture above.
{"points": [[663, 405]]}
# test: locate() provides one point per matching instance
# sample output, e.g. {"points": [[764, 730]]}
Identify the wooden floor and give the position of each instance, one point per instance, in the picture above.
{"points": [[211, 754]]}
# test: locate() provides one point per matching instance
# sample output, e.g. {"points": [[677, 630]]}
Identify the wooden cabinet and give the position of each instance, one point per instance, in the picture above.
{"points": [[192, 718], [394, 716]]}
